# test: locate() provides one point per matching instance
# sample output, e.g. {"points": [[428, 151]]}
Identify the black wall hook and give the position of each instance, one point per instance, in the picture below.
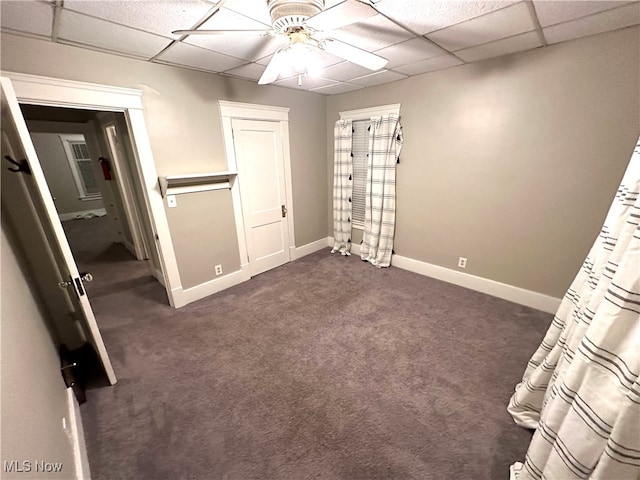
{"points": [[23, 165]]}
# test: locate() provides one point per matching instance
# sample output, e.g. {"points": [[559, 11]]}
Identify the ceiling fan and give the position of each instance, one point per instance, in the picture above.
{"points": [[304, 22]]}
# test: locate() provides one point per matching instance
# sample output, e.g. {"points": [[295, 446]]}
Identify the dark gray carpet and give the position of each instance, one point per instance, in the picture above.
{"points": [[325, 368]]}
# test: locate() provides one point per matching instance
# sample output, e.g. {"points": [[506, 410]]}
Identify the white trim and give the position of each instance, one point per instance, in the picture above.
{"points": [[96, 212], [67, 139], [192, 294], [76, 437], [519, 295], [312, 247], [252, 111], [364, 113], [38, 90], [528, 298]]}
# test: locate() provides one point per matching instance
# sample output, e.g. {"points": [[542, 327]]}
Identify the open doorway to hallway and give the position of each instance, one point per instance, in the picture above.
{"points": [[89, 166]]}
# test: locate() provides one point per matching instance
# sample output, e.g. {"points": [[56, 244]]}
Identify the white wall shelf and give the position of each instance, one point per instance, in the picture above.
{"points": [[196, 182]]}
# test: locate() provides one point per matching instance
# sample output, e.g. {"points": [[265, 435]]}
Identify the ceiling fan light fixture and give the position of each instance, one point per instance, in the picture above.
{"points": [[286, 14]]}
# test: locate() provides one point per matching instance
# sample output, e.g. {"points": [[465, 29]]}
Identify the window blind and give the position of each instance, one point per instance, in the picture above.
{"points": [[360, 148]]}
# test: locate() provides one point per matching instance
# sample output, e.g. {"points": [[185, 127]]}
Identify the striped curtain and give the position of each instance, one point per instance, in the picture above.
{"points": [[580, 389], [385, 143], [342, 187]]}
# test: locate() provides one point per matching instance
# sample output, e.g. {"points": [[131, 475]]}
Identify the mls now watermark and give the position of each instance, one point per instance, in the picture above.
{"points": [[27, 466]]}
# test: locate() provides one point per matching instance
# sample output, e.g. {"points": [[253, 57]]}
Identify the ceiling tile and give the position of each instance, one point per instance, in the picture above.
{"points": [[254, 9], [336, 88], [27, 16], [427, 16], [307, 83], [240, 46], [429, 65], [371, 34], [551, 12], [251, 71], [151, 16], [518, 43], [493, 26], [602, 22], [409, 51], [245, 47], [344, 71], [200, 58], [78, 28], [377, 78]]}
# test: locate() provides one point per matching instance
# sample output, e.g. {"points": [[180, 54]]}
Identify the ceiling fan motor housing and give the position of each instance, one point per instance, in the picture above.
{"points": [[286, 14]]}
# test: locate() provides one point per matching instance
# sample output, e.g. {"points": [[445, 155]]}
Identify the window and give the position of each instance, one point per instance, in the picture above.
{"points": [[79, 159], [361, 120], [360, 149]]}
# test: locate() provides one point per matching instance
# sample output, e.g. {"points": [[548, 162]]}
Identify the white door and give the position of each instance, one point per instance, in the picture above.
{"points": [[29, 199], [260, 158]]}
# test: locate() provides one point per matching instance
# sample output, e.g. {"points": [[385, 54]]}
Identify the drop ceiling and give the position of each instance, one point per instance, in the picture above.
{"points": [[416, 36]]}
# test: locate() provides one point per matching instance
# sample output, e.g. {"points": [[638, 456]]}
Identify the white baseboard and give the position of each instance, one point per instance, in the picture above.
{"points": [[96, 212], [310, 248], [76, 436], [536, 300], [182, 297]]}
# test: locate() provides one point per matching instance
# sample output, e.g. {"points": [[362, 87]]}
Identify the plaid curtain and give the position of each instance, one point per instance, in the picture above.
{"points": [[580, 389], [385, 143], [342, 187]]}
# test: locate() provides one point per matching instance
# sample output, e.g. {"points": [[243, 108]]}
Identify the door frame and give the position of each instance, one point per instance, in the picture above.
{"points": [[54, 92], [249, 111], [123, 184]]}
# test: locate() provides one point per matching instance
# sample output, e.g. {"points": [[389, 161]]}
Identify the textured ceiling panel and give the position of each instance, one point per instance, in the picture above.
{"points": [[200, 58], [519, 43], [610, 20], [248, 48], [337, 88], [493, 26], [155, 17], [429, 65], [251, 71], [422, 16], [255, 9], [371, 34], [416, 36], [27, 16], [344, 71], [307, 83], [409, 51], [377, 78], [77, 28], [551, 12]]}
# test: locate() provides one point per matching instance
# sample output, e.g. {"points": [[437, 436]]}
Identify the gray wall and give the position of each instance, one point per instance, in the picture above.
{"points": [[58, 173], [512, 162], [34, 397], [183, 120]]}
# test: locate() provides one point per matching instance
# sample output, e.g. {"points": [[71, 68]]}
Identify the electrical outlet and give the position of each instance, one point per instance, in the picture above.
{"points": [[171, 201], [462, 262], [218, 269]]}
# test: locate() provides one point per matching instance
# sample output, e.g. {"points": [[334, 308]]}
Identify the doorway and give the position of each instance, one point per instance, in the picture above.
{"points": [[256, 140], [86, 160]]}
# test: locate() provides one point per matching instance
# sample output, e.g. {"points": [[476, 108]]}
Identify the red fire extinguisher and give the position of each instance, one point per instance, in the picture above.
{"points": [[106, 168]]}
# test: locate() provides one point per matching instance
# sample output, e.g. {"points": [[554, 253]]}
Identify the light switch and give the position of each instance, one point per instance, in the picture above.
{"points": [[171, 201]]}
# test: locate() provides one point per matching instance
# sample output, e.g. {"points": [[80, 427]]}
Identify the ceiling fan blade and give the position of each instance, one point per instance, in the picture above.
{"points": [[272, 71], [352, 54], [223, 32], [345, 13]]}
